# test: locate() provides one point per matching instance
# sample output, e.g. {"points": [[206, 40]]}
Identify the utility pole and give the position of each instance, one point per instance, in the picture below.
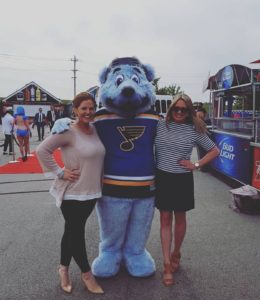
{"points": [[74, 59]]}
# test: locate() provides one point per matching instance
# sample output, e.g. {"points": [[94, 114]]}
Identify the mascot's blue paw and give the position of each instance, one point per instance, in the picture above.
{"points": [[107, 264], [61, 125], [141, 265]]}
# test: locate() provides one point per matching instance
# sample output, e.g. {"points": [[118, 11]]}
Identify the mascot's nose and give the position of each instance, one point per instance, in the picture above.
{"points": [[128, 91]]}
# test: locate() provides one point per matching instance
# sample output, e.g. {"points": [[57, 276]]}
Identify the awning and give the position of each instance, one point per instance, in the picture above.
{"points": [[255, 62]]}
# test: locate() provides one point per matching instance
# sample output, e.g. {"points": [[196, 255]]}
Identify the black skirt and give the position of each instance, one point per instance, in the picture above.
{"points": [[174, 191]]}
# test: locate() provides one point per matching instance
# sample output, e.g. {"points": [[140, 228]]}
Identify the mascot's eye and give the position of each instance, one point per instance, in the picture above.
{"points": [[119, 79], [135, 78]]}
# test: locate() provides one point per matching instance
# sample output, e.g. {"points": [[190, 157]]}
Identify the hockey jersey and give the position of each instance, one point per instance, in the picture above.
{"points": [[129, 167]]}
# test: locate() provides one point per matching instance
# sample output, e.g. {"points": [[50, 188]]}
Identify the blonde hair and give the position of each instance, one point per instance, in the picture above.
{"points": [[199, 124]]}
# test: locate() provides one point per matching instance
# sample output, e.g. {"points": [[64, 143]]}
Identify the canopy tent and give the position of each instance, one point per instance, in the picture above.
{"points": [[256, 62], [236, 80]]}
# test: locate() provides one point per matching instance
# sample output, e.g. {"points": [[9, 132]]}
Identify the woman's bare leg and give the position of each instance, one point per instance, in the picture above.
{"points": [[166, 240], [166, 234], [20, 141], [26, 145], [179, 231]]}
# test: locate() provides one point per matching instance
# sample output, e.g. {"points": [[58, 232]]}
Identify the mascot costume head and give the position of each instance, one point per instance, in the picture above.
{"points": [[127, 127], [126, 87]]}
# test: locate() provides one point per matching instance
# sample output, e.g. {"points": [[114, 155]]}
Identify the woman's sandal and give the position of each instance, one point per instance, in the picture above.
{"points": [[175, 261], [167, 275]]}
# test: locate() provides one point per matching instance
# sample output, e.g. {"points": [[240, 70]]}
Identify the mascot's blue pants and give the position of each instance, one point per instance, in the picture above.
{"points": [[124, 229]]}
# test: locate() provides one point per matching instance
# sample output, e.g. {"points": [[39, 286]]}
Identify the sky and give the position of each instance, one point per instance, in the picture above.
{"points": [[184, 40]]}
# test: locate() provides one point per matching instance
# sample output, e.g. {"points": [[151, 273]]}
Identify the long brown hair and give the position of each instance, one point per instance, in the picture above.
{"points": [[199, 125]]}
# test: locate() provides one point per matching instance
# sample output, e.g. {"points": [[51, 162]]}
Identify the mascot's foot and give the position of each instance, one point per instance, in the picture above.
{"points": [[106, 264], [141, 265]]}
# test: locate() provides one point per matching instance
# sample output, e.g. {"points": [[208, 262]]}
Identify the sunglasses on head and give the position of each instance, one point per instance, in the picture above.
{"points": [[177, 109]]}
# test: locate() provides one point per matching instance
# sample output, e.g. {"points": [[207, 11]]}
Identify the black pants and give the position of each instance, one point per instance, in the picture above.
{"points": [[8, 142], [73, 245], [51, 124], [40, 130]]}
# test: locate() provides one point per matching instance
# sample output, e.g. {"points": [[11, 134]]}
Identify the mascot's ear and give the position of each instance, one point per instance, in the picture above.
{"points": [[103, 75], [149, 72]]}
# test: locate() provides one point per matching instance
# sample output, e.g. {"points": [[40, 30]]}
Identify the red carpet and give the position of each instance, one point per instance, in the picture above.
{"points": [[32, 165]]}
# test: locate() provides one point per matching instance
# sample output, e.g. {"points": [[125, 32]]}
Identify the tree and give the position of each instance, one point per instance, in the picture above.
{"points": [[172, 89], [156, 84]]}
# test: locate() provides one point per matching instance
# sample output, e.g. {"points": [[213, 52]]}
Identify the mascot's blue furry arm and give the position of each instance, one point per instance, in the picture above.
{"points": [[127, 128]]}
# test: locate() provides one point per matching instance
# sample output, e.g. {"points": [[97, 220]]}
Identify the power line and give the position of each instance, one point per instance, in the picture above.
{"points": [[41, 70], [31, 57]]}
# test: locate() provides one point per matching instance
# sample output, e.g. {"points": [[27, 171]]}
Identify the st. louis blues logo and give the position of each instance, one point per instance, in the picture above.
{"points": [[130, 133]]}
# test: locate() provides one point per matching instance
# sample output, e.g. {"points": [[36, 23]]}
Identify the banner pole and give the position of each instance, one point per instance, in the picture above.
{"points": [[12, 142]]}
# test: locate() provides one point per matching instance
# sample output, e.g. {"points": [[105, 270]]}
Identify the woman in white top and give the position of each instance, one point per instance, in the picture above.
{"points": [[176, 136], [7, 124], [76, 187]]}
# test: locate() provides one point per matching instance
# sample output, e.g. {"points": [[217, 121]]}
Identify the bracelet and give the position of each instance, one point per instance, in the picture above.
{"points": [[61, 174]]}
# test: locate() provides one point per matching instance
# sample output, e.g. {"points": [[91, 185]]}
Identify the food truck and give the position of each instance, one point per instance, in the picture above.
{"points": [[236, 132]]}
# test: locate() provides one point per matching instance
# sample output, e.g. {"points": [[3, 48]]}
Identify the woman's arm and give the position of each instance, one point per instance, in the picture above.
{"points": [[45, 154], [46, 149], [210, 155]]}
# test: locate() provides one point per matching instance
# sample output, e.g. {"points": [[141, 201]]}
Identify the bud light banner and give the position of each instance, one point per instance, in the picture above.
{"points": [[234, 157]]}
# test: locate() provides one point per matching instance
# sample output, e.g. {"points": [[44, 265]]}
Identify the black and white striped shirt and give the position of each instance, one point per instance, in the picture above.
{"points": [[175, 142]]}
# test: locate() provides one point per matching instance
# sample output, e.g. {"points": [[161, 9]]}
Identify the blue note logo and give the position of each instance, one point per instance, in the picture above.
{"points": [[130, 134]]}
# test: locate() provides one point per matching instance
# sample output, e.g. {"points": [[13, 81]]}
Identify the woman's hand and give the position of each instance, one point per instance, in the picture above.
{"points": [[187, 164], [71, 175]]}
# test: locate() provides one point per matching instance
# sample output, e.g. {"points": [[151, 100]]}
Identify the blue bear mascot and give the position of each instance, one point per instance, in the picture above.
{"points": [[127, 127]]}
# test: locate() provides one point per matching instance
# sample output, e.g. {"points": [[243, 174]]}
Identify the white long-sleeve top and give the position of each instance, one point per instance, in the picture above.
{"points": [[7, 123], [79, 152]]}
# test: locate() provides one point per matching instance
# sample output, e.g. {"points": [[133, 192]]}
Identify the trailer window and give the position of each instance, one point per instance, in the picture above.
{"points": [[164, 106], [157, 106]]}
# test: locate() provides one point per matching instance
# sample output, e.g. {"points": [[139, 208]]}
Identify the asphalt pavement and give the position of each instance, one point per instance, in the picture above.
{"points": [[220, 254]]}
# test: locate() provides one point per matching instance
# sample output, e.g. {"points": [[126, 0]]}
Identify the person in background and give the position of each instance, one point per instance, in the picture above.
{"points": [[77, 187], [61, 113], [22, 127], [176, 136], [7, 125], [39, 121], [201, 113], [51, 116]]}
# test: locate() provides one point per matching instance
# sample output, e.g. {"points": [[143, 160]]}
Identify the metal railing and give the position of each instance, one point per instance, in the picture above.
{"points": [[243, 126]]}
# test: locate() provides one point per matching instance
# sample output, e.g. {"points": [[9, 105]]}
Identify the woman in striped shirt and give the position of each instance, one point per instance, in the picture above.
{"points": [[176, 136]]}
